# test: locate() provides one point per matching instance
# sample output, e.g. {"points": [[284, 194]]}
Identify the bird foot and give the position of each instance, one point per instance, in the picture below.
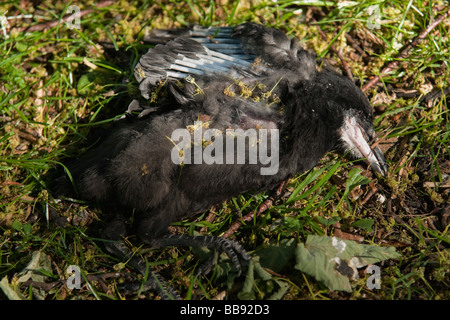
{"points": [[231, 247], [237, 254]]}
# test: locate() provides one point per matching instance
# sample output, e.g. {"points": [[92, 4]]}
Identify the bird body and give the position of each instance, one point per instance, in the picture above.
{"points": [[231, 80]]}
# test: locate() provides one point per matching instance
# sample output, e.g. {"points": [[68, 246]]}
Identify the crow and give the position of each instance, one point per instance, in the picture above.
{"points": [[221, 111]]}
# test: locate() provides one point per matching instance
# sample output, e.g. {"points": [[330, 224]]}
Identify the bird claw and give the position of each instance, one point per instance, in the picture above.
{"points": [[238, 256], [234, 250], [207, 266], [231, 247]]}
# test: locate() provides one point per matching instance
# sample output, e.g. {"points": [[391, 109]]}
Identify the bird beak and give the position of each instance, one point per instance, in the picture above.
{"points": [[358, 140], [377, 162]]}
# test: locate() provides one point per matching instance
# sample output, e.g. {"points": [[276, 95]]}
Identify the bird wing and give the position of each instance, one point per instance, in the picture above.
{"points": [[199, 51], [247, 50]]}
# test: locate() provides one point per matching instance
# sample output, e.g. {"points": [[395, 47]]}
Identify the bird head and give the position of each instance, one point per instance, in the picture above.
{"points": [[350, 110], [356, 138], [346, 110]]}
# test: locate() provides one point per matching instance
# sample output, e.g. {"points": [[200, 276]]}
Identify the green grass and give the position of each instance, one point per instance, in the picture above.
{"points": [[58, 83]]}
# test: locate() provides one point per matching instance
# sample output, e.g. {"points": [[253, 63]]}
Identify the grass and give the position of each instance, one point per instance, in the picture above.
{"points": [[57, 84]]}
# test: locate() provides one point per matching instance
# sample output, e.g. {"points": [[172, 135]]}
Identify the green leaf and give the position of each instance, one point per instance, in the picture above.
{"points": [[327, 222], [324, 258], [313, 175], [275, 257], [365, 224], [85, 82], [27, 228], [354, 179], [21, 47], [16, 225], [260, 284]]}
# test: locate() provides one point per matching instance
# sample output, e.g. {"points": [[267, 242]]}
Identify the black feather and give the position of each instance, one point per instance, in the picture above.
{"points": [[268, 81]]}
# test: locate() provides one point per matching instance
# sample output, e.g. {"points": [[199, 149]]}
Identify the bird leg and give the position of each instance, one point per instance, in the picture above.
{"points": [[116, 231]]}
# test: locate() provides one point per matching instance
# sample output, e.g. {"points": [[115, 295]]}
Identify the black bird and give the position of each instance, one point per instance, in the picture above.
{"points": [[233, 79]]}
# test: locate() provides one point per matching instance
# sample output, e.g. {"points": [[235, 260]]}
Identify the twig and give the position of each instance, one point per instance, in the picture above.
{"points": [[435, 94], [263, 207], [248, 217], [404, 53], [372, 191], [354, 44]]}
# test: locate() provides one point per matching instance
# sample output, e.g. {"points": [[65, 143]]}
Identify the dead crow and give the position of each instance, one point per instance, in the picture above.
{"points": [[222, 111]]}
